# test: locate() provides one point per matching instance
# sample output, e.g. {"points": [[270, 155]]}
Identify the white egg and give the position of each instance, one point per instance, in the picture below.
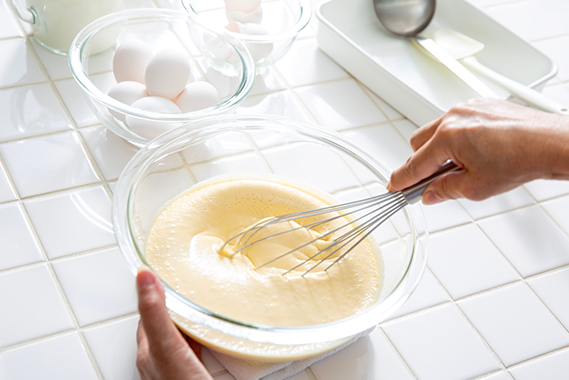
{"points": [[255, 16], [130, 61], [220, 49], [151, 128], [242, 5], [167, 73], [197, 96], [258, 50], [126, 92]]}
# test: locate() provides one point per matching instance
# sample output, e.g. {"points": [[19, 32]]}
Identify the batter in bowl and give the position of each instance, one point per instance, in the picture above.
{"points": [[184, 248]]}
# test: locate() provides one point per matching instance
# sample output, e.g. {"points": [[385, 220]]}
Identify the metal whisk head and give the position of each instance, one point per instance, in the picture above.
{"points": [[358, 219]]}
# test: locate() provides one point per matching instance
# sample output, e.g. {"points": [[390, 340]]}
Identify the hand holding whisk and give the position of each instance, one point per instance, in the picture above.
{"points": [[371, 213]]}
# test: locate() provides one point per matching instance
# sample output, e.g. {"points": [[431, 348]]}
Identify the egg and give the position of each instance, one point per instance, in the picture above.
{"points": [[197, 96], [258, 50], [255, 16], [167, 73], [126, 92], [151, 128], [245, 6], [130, 61]]}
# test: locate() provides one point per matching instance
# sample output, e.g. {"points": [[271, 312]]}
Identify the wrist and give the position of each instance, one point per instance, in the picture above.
{"points": [[556, 150]]}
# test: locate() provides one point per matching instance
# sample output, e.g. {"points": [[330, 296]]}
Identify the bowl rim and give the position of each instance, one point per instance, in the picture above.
{"points": [[76, 56], [297, 27], [122, 204]]}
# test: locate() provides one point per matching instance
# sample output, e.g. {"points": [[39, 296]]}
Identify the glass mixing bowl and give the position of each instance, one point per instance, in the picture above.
{"points": [[281, 19], [233, 76], [300, 152]]}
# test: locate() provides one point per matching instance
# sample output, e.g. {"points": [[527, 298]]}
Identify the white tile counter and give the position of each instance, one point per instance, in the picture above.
{"points": [[493, 304]]}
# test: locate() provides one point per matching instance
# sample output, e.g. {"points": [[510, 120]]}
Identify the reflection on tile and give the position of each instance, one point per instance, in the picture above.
{"points": [[17, 64], [551, 367], [6, 192], [110, 151], [54, 359], [306, 64], [98, 286], [370, 357], [48, 163], [17, 245], [280, 104], [500, 203], [553, 289], [248, 162], [72, 222], [545, 189], [466, 262], [340, 105], [444, 346], [445, 215], [30, 110], [529, 239], [382, 141], [114, 348], [31, 290], [225, 144], [514, 323], [265, 82], [559, 211]]}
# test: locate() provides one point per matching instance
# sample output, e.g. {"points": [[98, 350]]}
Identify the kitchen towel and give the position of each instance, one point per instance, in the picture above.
{"points": [[250, 370]]}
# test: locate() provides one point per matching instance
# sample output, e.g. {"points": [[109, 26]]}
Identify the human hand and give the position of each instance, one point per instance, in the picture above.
{"points": [[163, 354], [499, 146]]}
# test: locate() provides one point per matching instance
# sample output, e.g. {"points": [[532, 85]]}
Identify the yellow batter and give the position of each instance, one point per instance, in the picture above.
{"points": [[184, 244]]}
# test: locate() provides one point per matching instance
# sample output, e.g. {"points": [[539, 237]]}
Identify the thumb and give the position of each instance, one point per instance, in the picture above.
{"points": [[447, 187]]}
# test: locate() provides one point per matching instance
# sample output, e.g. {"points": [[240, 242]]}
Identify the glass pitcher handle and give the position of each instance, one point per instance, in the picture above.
{"points": [[27, 14]]}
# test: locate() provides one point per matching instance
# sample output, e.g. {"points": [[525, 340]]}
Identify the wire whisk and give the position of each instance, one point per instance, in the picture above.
{"points": [[369, 214]]}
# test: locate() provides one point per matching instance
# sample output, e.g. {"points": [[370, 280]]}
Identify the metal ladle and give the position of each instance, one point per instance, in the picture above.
{"points": [[408, 18]]}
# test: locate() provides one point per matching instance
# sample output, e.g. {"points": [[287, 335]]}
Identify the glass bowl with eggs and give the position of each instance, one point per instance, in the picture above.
{"points": [[190, 190], [267, 27], [142, 73]]}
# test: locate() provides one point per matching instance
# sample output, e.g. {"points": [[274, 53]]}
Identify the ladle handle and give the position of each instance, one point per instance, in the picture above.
{"points": [[414, 193], [453, 65]]}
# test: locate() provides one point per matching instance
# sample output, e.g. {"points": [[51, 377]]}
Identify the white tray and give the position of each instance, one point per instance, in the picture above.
{"points": [[414, 84]]}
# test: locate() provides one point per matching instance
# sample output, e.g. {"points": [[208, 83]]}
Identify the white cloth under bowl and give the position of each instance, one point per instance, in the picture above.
{"points": [[251, 370]]}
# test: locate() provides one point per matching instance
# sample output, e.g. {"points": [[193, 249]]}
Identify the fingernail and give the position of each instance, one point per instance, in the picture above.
{"points": [[430, 198], [388, 187], [144, 279]]}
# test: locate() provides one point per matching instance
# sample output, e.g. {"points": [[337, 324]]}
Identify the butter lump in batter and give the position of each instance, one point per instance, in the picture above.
{"points": [[184, 248]]}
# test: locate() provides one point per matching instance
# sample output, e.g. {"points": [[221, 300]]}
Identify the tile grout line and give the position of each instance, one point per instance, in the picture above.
{"points": [[397, 353]]}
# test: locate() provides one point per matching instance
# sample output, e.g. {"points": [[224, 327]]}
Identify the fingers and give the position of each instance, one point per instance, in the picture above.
{"points": [[449, 186], [154, 318], [424, 134]]}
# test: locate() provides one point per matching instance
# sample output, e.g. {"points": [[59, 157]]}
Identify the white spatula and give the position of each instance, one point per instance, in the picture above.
{"points": [[464, 49]]}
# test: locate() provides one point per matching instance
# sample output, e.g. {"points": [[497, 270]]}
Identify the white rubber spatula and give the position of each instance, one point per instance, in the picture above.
{"points": [[464, 49]]}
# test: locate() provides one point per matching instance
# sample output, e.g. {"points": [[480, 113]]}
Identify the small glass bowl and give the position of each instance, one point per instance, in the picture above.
{"points": [[282, 19], [297, 151], [159, 28]]}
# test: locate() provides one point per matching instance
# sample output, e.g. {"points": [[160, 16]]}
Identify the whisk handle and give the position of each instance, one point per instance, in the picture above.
{"points": [[414, 193]]}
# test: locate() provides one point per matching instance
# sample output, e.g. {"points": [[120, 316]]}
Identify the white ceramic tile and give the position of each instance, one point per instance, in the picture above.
{"points": [[370, 357], [55, 64], [340, 105], [6, 192], [327, 171], [54, 359], [7, 24], [17, 64], [500, 203], [72, 222], [279, 103], [559, 211], [445, 215], [553, 289], [35, 306], [545, 189], [267, 81], [225, 376], [499, 376], [17, 245], [74, 99], [389, 111], [114, 348], [219, 146], [466, 262], [558, 93], [98, 286], [306, 64], [531, 19], [384, 142], [300, 376], [248, 162], [428, 293], [551, 367], [514, 323], [530, 240], [560, 56], [30, 110], [443, 346], [110, 151], [47, 163], [405, 127], [210, 362]]}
